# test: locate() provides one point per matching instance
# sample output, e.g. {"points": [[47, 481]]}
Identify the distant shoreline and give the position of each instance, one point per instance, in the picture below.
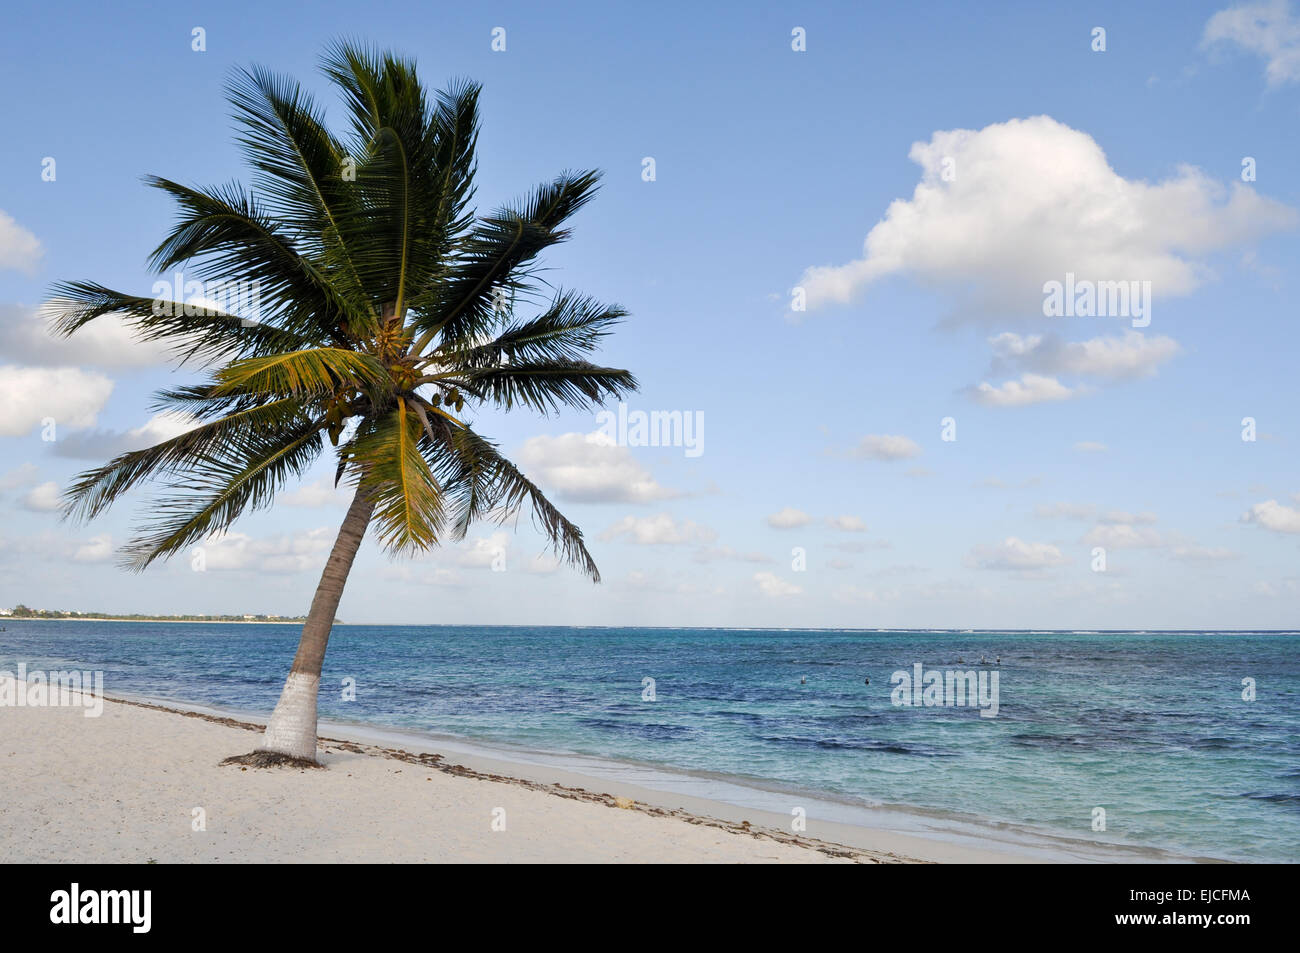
{"points": [[671, 628], [5, 619]]}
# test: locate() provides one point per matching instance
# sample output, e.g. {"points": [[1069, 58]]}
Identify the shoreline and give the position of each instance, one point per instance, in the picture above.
{"points": [[932, 835], [883, 835], [166, 621], [164, 797], [701, 628]]}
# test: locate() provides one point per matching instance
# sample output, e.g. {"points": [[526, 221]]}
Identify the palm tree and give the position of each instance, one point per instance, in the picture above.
{"points": [[384, 312]]}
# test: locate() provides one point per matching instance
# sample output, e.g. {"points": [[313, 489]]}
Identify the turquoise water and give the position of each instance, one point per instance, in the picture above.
{"points": [[1151, 727]]}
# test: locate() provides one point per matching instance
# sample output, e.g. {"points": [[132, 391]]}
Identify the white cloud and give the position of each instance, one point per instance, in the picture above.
{"points": [[847, 524], [658, 530], [322, 492], [770, 584], [290, 553], [43, 498], [98, 549], [105, 342], [72, 398], [1266, 29], [1090, 446], [1030, 389], [1275, 516], [1015, 555], [484, 551], [789, 518], [104, 444], [19, 248], [589, 468], [886, 447], [1124, 536], [1032, 199], [1133, 355]]}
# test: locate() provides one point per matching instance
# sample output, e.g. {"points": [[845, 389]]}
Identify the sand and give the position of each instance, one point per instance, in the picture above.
{"points": [[143, 783]]}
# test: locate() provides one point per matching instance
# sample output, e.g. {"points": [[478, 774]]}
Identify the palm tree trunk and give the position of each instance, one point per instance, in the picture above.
{"points": [[291, 731]]}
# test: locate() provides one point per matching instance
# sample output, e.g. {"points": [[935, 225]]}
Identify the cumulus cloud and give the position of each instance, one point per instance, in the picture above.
{"points": [[1275, 516], [1133, 355], [590, 468], [287, 553], [103, 444], [43, 498], [658, 530], [98, 549], [321, 492], [72, 398], [1269, 30], [886, 447], [1090, 446], [847, 524], [19, 248], [1030, 389], [484, 552], [770, 584], [105, 342], [1015, 555], [789, 518], [1001, 210]]}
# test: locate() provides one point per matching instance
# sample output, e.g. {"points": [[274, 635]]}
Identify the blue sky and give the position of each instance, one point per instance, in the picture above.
{"points": [[772, 167]]}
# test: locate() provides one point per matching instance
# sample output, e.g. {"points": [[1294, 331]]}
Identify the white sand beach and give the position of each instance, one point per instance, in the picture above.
{"points": [[129, 786]]}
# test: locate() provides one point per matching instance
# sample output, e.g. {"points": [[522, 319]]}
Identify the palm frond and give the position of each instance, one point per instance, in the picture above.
{"points": [[546, 385], [225, 238], [317, 371], [237, 435], [497, 254], [192, 332], [303, 171], [486, 484], [389, 468], [571, 327], [216, 489]]}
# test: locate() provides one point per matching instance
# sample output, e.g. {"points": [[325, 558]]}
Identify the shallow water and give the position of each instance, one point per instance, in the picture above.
{"points": [[1151, 727]]}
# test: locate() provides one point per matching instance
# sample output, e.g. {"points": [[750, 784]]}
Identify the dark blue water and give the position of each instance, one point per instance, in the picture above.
{"points": [[1151, 727]]}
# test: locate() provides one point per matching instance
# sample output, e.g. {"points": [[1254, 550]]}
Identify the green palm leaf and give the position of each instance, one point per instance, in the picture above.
{"points": [[379, 320]]}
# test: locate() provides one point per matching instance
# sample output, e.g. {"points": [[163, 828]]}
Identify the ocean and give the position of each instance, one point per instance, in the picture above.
{"points": [[1160, 731]]}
